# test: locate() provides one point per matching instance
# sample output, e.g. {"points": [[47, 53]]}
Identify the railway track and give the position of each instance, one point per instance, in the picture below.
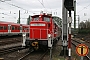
{"points": [[10, 44], [25, 55], [10, 49], [75, 43], [10, 40], [41, 56]]}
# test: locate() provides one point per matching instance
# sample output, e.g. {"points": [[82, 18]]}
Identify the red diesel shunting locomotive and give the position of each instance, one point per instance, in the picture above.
{"points": [[43, 32]]}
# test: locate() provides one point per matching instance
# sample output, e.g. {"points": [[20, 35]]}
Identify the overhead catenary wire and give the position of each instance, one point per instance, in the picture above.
{"points": [[18, 7], [7, 15], [79, 4], [84, 8], [41, 3], [23, 8], [2, 9], [14, 6], [48, 4]]}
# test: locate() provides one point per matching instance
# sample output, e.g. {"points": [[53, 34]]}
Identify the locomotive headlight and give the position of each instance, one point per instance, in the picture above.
{"points": [[49, 35]]}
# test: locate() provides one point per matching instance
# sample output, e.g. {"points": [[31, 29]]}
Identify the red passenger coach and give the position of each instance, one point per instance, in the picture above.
{"points": [[25, 28], [3, 28], [9, 28], [43, 32], [15, 28]]}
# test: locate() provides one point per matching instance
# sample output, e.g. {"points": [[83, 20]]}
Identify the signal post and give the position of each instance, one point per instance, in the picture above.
{"points": [[69, 40], [69, 5]]}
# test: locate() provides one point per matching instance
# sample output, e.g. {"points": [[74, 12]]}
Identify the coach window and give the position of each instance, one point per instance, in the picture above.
{"points": [[18, 28], [26, 28], [5, 27], [36, 18], [47, 19], [13, 28], [1, 27], [23, 28]]}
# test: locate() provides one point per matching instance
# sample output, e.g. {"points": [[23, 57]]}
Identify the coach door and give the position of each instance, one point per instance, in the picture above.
{"points": [[9, 29]]}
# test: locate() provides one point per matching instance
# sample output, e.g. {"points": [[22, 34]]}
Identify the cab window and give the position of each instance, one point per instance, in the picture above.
{"points": [[47, 19], [36, 18]]}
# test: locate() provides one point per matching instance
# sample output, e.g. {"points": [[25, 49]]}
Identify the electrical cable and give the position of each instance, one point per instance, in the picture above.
{"points": [[84, 8], [14, 6], [41, 4], [18, 7], [7, 15], [23, 8], [48, 4]]}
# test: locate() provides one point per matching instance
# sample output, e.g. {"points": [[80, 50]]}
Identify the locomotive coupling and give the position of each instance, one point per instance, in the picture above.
{"points": [[35, 45]]}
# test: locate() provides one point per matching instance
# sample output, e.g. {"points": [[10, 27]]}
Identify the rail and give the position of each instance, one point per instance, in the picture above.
{"points": [[88, 57], [42, 56], [10, 49], [32, 51], [25, 55]]}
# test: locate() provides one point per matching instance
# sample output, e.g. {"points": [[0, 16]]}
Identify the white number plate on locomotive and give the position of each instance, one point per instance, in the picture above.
{"points": [[37, 24]]}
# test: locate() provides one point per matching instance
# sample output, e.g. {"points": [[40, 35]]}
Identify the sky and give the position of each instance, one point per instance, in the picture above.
{"points": [[9, 9]]}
